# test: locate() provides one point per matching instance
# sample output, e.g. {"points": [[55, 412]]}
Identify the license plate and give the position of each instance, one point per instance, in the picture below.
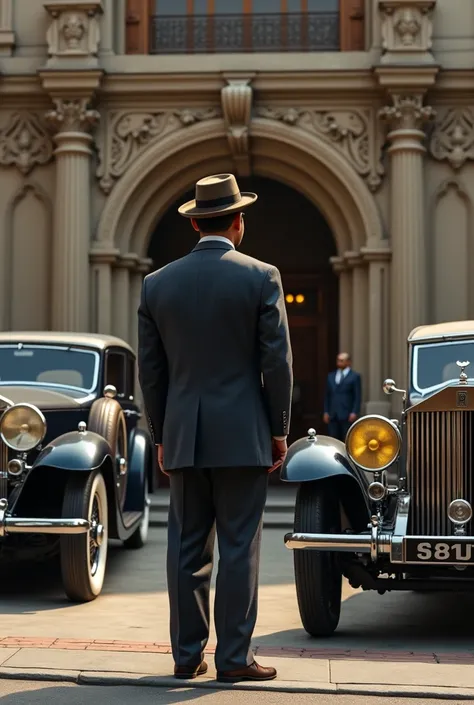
{"points": [[432, 551]]}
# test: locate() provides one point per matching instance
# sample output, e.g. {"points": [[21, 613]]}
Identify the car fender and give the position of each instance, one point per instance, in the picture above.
{"points": [[138, 459], [75, 451], [321, 458]]}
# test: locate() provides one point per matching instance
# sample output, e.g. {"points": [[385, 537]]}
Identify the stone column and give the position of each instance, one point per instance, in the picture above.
{"points": [[136, 280], [409, 276], [101, 289], [378, 328], [360, 333], [72, 220], [121, 296], [344, 273], [7, 35]]}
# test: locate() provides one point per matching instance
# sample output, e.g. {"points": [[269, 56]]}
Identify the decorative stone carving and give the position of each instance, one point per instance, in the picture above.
{"points": [[25, 143], [74, 32], [72, 115], [407, 112], [453, 136], [127, 134], [407, 30], [236, 99], [353, 132]]}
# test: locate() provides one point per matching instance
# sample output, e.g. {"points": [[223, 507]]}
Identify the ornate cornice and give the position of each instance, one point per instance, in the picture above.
{"points": [[452, 140], [25, 142]]}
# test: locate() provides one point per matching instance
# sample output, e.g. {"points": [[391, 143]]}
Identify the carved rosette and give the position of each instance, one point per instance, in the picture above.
{"points": [[25, 143], [354, 133], [236, 99], [452, 139], [407, 113], [127, 134], [407, 29], [74, 32], [72, 115]]}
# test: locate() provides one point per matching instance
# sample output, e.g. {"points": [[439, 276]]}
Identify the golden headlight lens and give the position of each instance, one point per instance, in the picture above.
{"points": [[373, 443], [22, 427]]}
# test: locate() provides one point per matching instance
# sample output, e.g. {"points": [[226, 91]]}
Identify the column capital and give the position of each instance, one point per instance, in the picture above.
{"points": [[73, 35], [354, 259], [145, 265], [72, 115], [104, 256], [339, 264], [407, 112], [370, 254], [128, 261]]}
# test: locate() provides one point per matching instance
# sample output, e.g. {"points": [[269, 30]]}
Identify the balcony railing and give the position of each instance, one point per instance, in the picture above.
{"points": [[281, 32]]}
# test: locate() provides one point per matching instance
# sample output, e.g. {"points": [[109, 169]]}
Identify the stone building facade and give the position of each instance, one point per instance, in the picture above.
{"points": [[108, 116]]}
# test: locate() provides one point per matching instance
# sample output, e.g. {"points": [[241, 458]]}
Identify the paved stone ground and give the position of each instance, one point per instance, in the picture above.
{"points": [[383, 642]]}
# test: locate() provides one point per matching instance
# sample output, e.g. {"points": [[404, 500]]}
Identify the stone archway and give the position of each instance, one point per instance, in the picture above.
{"points": [[170, 166]]}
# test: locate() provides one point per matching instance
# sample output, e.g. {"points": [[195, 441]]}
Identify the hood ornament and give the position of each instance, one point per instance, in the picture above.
{"points": [[462, 375]]}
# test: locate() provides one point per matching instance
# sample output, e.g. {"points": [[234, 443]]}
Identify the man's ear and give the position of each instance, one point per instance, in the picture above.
{"points": [[195, 225], [237, 220]]}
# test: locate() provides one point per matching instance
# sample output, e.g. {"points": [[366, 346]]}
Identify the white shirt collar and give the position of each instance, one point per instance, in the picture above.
{"points": [[219, 238]]}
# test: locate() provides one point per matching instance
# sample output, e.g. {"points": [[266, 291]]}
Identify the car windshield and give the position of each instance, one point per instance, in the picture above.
{"points": [[49, 365], [435, 364]]}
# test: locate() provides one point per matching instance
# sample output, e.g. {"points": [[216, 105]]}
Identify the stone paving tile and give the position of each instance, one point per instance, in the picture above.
{"points": [[6, 654]]}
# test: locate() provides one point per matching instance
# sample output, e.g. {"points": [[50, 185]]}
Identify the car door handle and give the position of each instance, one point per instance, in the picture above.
{"points": [[132, 412]]}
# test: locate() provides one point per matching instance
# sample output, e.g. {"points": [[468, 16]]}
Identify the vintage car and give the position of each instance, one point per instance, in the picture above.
{"points": [[391, 508], [75, 468]]}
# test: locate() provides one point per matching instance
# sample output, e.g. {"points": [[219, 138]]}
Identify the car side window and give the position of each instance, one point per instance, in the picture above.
{"points": [[115, 372]]}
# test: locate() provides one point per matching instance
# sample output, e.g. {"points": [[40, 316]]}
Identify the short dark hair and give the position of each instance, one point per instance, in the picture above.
{"points": [[219, 224]]}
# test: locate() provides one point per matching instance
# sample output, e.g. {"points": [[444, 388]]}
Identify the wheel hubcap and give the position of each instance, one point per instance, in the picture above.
{"points": [[96, 536]]}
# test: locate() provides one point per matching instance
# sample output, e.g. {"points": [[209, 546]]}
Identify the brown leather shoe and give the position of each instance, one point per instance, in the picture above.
{"points": [[188, 673], [254, 672]]}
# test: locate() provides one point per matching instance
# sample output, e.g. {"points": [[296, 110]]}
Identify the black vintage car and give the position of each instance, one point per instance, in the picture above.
{"points": [[391, 508], [75, 468]]}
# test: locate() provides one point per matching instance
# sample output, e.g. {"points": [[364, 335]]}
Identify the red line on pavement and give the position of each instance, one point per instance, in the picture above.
{"points": [[25, 642]]}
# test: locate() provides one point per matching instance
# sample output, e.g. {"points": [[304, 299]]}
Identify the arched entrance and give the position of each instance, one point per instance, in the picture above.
{"points": [[286, 229]]}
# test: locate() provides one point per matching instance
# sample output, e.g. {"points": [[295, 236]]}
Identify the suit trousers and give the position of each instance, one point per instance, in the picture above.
{"points": [[338, 429], [229, 501]]}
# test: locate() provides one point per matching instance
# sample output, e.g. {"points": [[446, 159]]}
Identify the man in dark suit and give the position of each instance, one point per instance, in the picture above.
{"points": [[343, 397], [215, 367]]}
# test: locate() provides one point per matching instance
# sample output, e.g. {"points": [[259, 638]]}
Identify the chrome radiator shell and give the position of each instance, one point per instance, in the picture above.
{"points": [[440, 466]]}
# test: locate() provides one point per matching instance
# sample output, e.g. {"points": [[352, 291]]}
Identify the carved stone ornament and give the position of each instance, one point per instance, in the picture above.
{"points": [[25, 143], [407, 112], [74, 32], [453, 136], [354, 133], [72, 115], [407, 29], [236, 99], [127, 134]]}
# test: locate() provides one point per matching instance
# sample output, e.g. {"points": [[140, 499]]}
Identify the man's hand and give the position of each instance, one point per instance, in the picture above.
{"points": [[326, 418], [352, 418], [279, 451], [160, 456]]}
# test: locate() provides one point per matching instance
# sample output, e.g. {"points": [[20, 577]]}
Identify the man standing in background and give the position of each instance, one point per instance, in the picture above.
{"points": [[343, 397]]}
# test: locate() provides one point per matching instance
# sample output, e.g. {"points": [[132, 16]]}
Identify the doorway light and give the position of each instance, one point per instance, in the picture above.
{"points": [[299, 298], [289, 298]]}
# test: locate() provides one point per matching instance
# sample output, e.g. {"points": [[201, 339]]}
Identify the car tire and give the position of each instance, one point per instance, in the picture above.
{"points": [[318, 575], [84, 556], [140, 536], [106, 418]]}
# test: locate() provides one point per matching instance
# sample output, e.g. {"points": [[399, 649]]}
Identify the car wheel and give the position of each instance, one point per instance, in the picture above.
{"points": [[84, 556], [107, 419], [318, 575], [140, 536]]}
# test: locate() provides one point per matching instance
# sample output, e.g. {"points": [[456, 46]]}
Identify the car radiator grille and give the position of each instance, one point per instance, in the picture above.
{"points": [[3, 470], [439, 467]]}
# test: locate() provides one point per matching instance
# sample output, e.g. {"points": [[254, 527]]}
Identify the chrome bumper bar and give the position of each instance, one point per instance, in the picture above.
{"points": [[18, 525]]}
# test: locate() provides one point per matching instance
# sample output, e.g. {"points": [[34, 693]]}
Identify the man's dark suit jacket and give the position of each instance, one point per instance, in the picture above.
{"points": [[343, 399], [215, 361]]}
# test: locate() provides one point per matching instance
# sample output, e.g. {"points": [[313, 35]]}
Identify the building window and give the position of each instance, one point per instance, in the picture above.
{"points": [[221, 26]]}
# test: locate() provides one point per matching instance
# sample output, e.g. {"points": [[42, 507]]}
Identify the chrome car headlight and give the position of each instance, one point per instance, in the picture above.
{"points": [[22, 427], [373, 443]]}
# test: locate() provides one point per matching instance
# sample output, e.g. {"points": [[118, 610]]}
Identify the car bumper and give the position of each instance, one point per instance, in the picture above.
{"points": [[385, 546], [19, 525]]}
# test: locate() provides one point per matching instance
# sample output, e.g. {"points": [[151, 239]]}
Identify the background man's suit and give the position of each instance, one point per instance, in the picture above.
{"points": [[343, 398], [216, 373]]}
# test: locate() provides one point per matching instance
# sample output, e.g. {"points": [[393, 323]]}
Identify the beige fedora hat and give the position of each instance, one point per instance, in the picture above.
{"points": [[217, 195]]}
